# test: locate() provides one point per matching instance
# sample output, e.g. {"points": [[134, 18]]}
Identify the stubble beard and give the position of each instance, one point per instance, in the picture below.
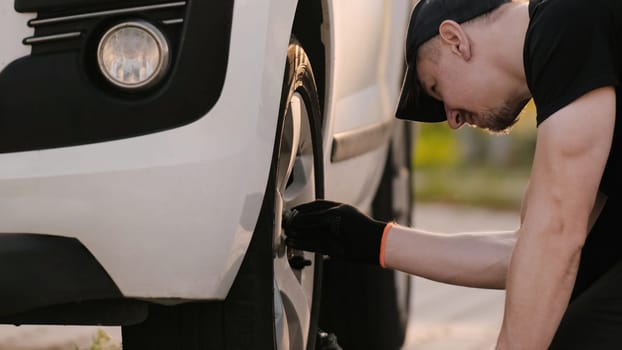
{"points": [[500, 120]]}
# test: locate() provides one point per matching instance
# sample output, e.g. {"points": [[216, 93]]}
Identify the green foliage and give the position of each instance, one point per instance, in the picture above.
{"points": [[102, 341], [474, 186], [435, 146]]}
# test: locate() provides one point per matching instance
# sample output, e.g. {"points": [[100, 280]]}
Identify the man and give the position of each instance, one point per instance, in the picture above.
{"points": [[477, 62]]}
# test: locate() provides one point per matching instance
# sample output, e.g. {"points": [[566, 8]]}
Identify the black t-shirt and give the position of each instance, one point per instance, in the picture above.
{"points": [[573, 47]]}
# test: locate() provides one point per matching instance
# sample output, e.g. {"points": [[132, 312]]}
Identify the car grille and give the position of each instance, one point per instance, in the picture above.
{"points": [[68, 29]]}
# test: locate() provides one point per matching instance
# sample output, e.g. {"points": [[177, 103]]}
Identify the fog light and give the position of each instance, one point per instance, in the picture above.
{"points": [[133, 55]]}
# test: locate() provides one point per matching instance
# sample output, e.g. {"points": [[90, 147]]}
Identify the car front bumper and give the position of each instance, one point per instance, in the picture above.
{"points": [[169, 214]]}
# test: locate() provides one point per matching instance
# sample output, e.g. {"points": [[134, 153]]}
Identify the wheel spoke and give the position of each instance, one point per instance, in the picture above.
{"points": [[290, 143], [296, 304]]}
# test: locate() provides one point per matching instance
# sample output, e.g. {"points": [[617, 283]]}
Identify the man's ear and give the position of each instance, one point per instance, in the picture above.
{"points": [[453, 35]]}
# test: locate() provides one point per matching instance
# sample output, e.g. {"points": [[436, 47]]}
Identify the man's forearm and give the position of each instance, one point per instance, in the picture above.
{"points": [[478, 259], [540, 280]]}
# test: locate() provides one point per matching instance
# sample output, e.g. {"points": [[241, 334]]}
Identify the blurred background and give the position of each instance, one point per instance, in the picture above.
{"points": [[472, 167]]}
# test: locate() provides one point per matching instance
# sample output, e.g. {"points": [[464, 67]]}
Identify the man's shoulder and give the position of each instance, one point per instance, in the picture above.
{"points": [[570, 27], [571, 48], [550, 13]]}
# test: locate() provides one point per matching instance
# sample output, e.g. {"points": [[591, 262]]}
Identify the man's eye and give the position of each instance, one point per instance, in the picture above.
{"points": [[434, 89], [433, 92]]}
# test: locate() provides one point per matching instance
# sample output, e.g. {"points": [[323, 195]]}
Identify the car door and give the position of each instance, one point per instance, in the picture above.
{"points": [[365, 74]]}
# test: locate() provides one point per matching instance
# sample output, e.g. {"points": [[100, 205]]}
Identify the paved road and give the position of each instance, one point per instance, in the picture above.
{"points": [[443, 317]]}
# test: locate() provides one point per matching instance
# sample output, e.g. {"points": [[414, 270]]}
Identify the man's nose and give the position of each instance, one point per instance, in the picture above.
{"points": [[454, 118]]}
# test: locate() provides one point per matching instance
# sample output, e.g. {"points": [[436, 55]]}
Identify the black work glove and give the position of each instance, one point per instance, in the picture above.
{"points": [[334, 229]]}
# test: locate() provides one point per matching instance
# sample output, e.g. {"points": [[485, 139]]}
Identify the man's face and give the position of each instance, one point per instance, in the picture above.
{"points": [[473, 93]]}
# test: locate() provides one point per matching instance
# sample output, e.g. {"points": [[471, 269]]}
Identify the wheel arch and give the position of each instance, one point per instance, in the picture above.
{"points": [[309, 27]]}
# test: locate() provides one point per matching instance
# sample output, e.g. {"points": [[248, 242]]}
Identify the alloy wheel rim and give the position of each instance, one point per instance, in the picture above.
{"points": [[295, 184]]}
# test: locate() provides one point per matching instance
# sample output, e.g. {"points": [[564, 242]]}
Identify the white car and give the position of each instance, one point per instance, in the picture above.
{"points": [[148, 150]]}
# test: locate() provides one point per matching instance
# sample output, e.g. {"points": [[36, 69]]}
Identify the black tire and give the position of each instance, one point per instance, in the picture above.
{"points": [[360, 303], [246, 319], [394, 202]]}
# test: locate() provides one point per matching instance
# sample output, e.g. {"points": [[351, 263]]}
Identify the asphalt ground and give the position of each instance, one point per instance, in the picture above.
{"points": [[443, 317], [446, 317]]}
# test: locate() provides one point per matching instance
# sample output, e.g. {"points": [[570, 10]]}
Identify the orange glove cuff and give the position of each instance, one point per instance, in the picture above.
{"points": [[383, 242]]}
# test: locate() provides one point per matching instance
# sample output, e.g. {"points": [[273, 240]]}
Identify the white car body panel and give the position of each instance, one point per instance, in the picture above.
{"points": [[118, 197], [13, 25], [364, 92]]}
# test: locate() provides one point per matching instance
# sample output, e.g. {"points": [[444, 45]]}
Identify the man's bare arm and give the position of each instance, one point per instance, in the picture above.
{"points": [[571, 153], [472, 259]]}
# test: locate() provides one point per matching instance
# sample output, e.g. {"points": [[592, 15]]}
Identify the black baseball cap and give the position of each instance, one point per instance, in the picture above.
{"points": [[427, 16]]}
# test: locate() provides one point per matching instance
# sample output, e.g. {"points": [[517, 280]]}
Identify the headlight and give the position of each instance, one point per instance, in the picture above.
{"points": [[133, 55]]}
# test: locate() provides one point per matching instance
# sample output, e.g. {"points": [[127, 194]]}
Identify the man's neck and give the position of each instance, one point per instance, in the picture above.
{"points": [[507, 42]]}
